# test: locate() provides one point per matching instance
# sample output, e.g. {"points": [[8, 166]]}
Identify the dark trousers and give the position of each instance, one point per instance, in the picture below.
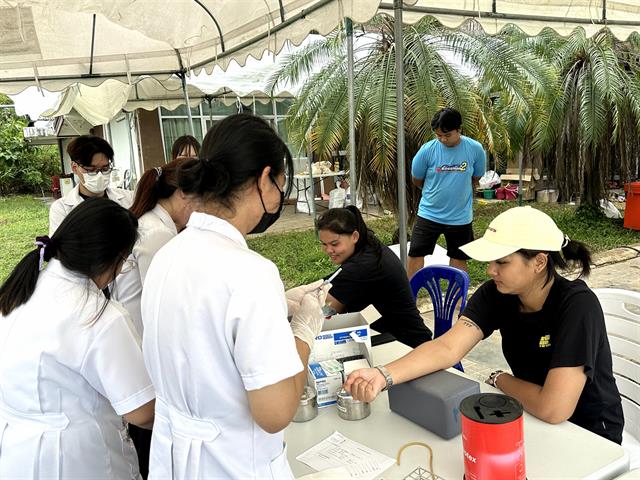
{"points": [[141, 438]]}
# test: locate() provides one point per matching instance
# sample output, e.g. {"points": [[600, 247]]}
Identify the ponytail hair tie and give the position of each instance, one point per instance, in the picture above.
{"points": [[158, 172], [45, 246], [566, 240]]}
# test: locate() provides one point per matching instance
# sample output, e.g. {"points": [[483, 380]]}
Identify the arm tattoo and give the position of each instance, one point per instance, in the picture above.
{"points": [[468, 323]]}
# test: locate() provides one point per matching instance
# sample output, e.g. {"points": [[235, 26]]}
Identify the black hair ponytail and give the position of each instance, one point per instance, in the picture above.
{"points": [[572, 253], [575, 253], [235, 152], [21, 283]]}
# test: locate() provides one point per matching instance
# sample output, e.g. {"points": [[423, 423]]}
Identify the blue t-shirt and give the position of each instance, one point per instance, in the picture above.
{"points": [[447, 193]]}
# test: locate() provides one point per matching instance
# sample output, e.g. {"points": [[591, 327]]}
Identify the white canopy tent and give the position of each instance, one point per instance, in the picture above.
{"points": [[55, 43]]}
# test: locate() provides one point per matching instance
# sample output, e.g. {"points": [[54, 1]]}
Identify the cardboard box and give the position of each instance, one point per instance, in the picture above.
{"points": [[343, 337], [529, 179]]}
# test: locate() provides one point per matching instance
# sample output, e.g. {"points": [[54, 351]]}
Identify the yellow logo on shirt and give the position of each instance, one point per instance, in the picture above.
{"points": [[545, 341]]}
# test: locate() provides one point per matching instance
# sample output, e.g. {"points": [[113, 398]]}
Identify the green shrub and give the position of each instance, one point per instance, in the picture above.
{"points": [[24, 168]]}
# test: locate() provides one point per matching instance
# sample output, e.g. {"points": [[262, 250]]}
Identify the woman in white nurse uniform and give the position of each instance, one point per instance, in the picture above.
{"points": [[70, 360], [227, 366], [162, 210]]}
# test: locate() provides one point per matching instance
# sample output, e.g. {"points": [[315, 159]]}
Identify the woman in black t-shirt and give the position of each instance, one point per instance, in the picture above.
{"points": [[553, 330], [371, 275]]}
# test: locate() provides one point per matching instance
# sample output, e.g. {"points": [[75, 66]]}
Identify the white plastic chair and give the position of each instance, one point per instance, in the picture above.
{"points": [[622, 316], [630, 475]]}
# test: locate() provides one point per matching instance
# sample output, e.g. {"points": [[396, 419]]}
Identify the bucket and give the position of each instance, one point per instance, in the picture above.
{"points": [[632, 210], [547, 196], [488, 193]]}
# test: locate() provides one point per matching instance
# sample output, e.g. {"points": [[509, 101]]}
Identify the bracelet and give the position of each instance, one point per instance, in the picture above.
{"points": [[387, 377], [493, 378]]}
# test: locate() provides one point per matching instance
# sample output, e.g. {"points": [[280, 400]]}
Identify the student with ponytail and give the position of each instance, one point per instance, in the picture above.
{"points": [[371, 275], [553, 330], [162, 210], [228, 367], [70, 363]]}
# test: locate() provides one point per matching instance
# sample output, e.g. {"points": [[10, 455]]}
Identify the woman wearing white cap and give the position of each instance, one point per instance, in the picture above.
{"points": [[553, 330]]}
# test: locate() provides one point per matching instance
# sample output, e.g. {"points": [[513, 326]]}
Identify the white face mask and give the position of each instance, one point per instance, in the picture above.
{"points": [[96, 183]]}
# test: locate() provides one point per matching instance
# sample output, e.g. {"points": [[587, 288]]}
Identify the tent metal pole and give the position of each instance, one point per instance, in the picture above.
{"points": [[93, 40], [132, 161], [274, 109], [352, 116], [309, 191], [186, 99], [402, 180], [520, 166]]}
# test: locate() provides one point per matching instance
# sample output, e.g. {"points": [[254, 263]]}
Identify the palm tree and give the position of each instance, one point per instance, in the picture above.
{"points": [[499, 90], [592, 127]]}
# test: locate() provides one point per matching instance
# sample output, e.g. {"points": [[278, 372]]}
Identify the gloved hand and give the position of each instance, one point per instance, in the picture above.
{"points": [[308, 319], [294, 295]]}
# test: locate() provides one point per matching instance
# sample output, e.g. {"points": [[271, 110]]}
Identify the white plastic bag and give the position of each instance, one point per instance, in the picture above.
{"points": [[337, 198], [609, 209], [489, 179]]}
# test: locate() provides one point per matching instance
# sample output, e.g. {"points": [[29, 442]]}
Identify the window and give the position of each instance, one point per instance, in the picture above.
{"points": [[175, 123]]}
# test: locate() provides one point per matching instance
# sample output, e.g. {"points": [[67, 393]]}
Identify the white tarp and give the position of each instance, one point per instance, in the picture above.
{"points": [[56, 43], [99, 104]]}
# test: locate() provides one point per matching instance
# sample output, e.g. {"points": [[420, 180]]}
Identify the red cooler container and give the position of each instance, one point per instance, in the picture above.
{"points": [[492, 437], [632, 210]]}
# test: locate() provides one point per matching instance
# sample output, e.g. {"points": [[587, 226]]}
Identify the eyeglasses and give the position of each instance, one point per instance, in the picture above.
{"points": [[128, 266], [93, 171]]}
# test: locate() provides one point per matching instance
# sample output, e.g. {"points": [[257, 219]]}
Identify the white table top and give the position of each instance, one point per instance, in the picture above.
{"points": [[563, 451], [302, 176]]}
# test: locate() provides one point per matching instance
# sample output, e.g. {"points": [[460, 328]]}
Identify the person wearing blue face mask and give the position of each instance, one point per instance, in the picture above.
{"points": [[92, 163], [228, 367]]}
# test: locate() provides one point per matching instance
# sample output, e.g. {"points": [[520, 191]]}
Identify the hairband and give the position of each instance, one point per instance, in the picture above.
{"points": [[43, 243], [158, 172], [566, 240]]}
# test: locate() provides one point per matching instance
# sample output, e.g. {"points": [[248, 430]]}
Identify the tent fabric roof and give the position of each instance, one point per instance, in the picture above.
{"points": [[56, 43]]}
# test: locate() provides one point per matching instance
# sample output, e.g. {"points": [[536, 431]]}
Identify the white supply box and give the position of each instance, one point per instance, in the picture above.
{"points": [[343, 336], [326, 377]]}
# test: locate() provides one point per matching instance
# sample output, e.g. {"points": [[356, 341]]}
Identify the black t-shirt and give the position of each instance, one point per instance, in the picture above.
{"points": [[569, 331], [367, 279]]}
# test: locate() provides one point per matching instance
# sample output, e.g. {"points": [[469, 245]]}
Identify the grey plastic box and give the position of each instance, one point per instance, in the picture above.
{"points": [[433, 401]]}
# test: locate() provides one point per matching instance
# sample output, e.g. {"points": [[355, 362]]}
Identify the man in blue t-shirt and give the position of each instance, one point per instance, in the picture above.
{"points": [[446, 169]]}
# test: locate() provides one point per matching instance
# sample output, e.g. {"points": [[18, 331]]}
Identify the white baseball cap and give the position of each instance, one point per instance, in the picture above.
{"points": [[517, 228]]}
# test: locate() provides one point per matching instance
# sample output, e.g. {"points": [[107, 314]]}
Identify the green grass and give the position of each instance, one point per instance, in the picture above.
{"points": [[22, 218], [298, 254]]}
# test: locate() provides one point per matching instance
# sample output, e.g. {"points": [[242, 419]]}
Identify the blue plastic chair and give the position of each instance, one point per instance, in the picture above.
{"points": [[443, 306]]}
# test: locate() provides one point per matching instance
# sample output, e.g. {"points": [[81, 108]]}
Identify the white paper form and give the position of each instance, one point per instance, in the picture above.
{"points": [[361, 462]]}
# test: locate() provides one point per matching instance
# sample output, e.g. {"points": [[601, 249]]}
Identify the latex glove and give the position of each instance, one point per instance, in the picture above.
{"points": [[306, 323], [365, 384], [294, 295]]}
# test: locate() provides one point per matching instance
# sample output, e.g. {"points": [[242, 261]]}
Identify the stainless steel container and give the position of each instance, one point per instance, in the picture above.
{"points": [[351, 409], [308, 406]]}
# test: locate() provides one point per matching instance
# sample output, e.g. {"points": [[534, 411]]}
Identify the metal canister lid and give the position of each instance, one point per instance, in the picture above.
{"points": [[492, 408], [308, 394]]}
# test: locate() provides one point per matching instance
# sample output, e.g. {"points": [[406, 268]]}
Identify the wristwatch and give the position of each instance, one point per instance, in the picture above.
{"points": [[387, 376], [494, 377]]}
